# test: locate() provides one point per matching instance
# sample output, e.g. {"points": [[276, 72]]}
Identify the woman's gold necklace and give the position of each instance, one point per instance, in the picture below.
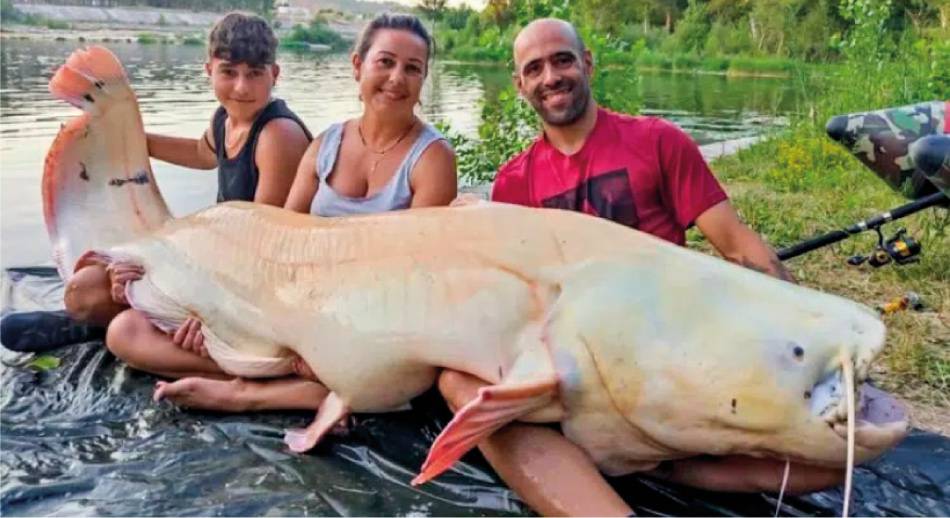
{"points": [[381, 154]]}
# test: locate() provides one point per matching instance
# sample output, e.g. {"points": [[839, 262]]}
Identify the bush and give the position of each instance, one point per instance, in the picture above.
{"points": [[508, 126], [318, 32], [648, 59], [750, 65], [146, 38], [57, 25], [685, 62]]}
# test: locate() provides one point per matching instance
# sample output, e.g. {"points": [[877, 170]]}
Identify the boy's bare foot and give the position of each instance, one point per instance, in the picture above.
{"points": [[205, 394]]}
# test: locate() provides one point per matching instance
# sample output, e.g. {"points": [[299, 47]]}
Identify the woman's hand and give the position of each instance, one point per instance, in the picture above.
{"points": [[190, 338], [121, 274]]}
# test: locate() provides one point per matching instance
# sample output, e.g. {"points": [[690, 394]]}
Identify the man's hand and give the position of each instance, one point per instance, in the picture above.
{"points": [[190, 338], [121, 274], [738, 243]]}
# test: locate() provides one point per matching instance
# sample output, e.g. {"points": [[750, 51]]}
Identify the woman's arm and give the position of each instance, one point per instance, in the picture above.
{"points": [[305, 184], [280, 147], [434, 180]]}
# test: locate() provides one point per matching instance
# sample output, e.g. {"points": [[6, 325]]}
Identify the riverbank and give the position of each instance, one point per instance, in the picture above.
{"points": [[648, 61], [92, 34], [146, 25]]}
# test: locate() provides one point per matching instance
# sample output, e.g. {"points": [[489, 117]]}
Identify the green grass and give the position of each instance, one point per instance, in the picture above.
{"points": [[778, 66], [737, 65], [800, 184]]}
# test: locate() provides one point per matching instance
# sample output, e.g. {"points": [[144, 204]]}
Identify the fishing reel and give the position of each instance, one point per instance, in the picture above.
{"points": [[900, 248]]}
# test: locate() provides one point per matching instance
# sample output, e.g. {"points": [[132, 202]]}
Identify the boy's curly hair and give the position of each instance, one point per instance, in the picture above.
{"points": [[241, 37]]}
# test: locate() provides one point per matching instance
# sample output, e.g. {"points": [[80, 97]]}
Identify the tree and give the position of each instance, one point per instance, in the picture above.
{"points": [[432, 9]]}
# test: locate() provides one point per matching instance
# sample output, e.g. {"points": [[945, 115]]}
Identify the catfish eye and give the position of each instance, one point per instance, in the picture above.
{"points": [[797, 351]]}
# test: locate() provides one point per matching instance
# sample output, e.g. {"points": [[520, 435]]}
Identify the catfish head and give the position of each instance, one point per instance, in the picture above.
{"points": [[704, 357]]}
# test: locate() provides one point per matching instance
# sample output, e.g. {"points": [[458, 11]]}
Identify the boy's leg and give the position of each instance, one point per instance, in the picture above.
{"points": [[242, 395], [134, 339], [550, 473]]}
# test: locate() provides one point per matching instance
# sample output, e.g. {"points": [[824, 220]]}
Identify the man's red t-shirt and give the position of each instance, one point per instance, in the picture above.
{"points": [[642, 172]]}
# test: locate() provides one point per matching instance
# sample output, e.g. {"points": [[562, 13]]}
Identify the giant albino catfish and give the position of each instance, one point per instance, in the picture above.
{"points": [[644, 351]]}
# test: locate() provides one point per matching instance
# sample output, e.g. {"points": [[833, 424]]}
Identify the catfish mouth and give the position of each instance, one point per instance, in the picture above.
{"points": [[881, 420]]}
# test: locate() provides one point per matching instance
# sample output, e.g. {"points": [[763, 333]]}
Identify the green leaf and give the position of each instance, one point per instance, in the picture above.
{"points": [[44, 363]]}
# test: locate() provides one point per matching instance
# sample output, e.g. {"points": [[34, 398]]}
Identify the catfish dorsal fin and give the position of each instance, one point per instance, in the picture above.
{"points": [[530, 385]]}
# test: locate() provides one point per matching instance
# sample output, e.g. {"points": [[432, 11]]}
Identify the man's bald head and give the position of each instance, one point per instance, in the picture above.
{"points": [[553, 71], [545, 29]]}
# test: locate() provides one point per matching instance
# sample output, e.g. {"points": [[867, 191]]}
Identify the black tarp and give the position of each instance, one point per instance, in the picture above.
{"points": [[85, 438]]}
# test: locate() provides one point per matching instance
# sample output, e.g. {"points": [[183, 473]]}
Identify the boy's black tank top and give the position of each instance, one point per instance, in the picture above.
{"points": [[237, 177]]}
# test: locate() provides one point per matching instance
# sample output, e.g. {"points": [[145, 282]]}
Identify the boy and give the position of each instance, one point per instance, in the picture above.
{"points": [[254, 140]]}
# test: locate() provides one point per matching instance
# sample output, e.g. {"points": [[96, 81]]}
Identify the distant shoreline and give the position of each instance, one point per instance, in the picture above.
{"points": [[128, 24]]}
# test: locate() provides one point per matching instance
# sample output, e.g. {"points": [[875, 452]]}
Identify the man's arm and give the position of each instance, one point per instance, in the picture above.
{"points": [[186, 152], [742, 474], [738, 243]]}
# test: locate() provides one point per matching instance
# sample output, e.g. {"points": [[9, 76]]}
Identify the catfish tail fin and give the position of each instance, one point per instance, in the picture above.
{"points": [[87, 77], [98, 187]]}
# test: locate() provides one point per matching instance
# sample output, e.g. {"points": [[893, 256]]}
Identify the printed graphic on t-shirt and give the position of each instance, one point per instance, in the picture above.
{"points": [[607, 195]]}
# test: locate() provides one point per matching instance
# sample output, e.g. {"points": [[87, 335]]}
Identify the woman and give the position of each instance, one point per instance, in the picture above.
{"points": [[387, 159]]}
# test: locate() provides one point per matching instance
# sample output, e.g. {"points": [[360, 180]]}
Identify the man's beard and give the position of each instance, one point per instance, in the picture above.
{"points": [[574, 111]]}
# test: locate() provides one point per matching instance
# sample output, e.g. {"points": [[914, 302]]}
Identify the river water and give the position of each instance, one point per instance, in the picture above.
{"points": [[176, 99]]}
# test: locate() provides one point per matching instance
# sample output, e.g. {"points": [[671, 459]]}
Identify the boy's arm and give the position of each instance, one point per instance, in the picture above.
{"points": [[187, 152], [280, 147]]}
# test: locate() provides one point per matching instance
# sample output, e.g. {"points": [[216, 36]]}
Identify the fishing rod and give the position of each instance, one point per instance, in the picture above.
{"points": [[909, 148], [901, 247]]}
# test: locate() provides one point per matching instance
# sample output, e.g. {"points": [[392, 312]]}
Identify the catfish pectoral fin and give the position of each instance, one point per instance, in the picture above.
{"points": [[495, 406]]}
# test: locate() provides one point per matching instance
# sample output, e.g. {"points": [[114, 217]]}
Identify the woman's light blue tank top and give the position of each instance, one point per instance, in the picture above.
{"points": [[395, 195]]}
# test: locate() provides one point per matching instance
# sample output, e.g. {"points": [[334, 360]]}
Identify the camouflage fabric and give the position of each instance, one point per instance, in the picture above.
{"points": [[931, 155], [881, 140]]}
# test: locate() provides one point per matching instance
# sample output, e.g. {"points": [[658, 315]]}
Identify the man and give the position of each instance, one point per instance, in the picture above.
{"points": [[642, 172]]}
